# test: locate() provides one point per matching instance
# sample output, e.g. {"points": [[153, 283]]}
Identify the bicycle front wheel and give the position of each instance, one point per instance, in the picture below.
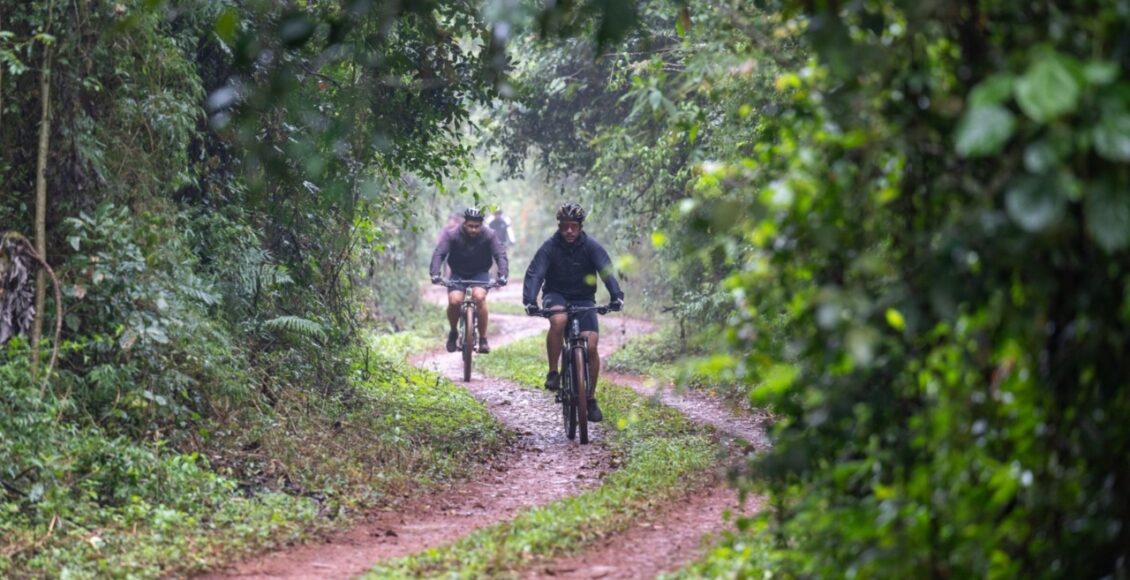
{"points": [[468, 341], [581, 388], [568, 400]]}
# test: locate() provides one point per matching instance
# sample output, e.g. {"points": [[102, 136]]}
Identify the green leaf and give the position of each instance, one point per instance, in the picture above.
{"points": [[1036, 202], [296, 325], [1100, 72], [777, 381], [1048, 90], [984, 130], [1112, 137], [993, 90], [895, 319], [1040, 157], [1107, 211], [227, 25]]}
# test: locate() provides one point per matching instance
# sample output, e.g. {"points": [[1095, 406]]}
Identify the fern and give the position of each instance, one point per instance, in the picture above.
{"points": [[297, 325]]}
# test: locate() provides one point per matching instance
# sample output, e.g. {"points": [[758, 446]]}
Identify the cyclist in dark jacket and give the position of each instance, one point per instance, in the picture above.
{"points": [[564, 270], [469, 250]]}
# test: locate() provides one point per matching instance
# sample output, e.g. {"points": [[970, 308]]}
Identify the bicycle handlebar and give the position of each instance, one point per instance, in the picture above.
{"points": [[492, 283], [600, 309]]}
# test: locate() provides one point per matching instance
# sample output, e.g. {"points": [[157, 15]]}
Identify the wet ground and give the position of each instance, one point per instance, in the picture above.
{"points": [[541, 467]]}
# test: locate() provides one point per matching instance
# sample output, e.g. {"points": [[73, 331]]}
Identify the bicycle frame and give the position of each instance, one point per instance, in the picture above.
{"points": [[468, 328]]}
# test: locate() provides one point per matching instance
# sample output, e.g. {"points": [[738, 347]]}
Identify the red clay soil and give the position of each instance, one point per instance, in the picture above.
{"points": [[542, 467]]}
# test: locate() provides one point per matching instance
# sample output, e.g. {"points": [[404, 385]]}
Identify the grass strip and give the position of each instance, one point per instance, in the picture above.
{"points": [[425, 331], [662, 456]]}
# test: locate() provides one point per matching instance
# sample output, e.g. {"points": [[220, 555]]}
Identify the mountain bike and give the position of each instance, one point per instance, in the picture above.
{"points": [[575, 388], [468, 341]]}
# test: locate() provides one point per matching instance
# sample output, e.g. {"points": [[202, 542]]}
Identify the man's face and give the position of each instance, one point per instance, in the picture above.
{"points": [[472, 227], [569, 230]]}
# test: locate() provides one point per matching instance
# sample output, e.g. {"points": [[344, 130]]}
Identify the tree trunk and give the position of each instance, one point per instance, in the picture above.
{"points": [[41, 204]]}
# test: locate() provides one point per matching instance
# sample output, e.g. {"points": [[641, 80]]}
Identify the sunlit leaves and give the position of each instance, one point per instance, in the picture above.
{"points": [[775, 384]]}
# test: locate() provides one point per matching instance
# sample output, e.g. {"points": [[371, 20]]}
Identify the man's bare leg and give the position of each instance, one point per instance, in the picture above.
{"points": [[454, 301], [555, 340], [480, 297], [594, 358]]}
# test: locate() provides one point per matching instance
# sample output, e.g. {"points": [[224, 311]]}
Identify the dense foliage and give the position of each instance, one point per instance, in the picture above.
{"points": [[225, 181], [910, 219], [913, 220]]}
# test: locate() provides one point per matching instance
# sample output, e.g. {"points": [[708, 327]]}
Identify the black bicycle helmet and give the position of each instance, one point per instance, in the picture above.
{"points": [[473, 213], [571, 212]]}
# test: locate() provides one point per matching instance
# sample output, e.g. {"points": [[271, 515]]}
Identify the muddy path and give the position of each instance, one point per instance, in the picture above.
{"points": [[681, 530], [662, 542], [541, 467]]}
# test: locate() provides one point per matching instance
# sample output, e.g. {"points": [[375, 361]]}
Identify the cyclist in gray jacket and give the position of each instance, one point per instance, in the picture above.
{"points": [[564, 270], [469, 250]]}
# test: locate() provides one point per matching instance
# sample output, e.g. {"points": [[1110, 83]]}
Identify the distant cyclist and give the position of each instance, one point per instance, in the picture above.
{"points": [[500, 223], [567, 264], [469, 250]]}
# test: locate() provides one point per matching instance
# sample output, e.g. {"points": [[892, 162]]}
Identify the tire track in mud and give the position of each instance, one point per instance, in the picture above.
{"points": [[541, 467]]}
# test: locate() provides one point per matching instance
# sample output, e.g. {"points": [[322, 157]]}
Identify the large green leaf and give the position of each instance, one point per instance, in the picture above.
{"points": [[992, 91], [1112, 137], [984, 130], [1107, 210], [1037, 202], [1048, 90]]}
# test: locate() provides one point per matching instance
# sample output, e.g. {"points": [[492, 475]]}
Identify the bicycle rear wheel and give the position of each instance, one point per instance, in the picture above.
{"points": [[581, 388], [468, 341]]}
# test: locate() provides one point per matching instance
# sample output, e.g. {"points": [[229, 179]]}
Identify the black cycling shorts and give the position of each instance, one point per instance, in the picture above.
{"points": [[588, 318], [480, 279]]}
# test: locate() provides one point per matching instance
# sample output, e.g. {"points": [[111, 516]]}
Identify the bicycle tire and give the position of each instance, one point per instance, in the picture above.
{"points": [[581, 388], [568, 401], [468, 342]]}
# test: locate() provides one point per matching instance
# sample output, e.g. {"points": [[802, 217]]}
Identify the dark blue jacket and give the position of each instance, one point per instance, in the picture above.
{"points": [[570, 270]]}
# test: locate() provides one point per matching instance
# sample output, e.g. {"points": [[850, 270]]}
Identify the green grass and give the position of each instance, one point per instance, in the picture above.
{"points": [[662, 456], [662, 355], [502, 307], [269, 477], [425, 330]]}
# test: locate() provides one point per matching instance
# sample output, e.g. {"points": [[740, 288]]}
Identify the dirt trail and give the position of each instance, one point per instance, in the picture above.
{"points": [[669, 538], [541, 467], [661, 542]]}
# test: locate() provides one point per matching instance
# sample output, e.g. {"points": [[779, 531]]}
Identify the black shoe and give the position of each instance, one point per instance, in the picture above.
{"points": [[483, 346], [594, 412], [452, 338], [552, 379]]}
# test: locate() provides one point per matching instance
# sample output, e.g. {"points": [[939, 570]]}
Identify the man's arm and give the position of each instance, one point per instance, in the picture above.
{"points": [[535, 275], [443, 248]]}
